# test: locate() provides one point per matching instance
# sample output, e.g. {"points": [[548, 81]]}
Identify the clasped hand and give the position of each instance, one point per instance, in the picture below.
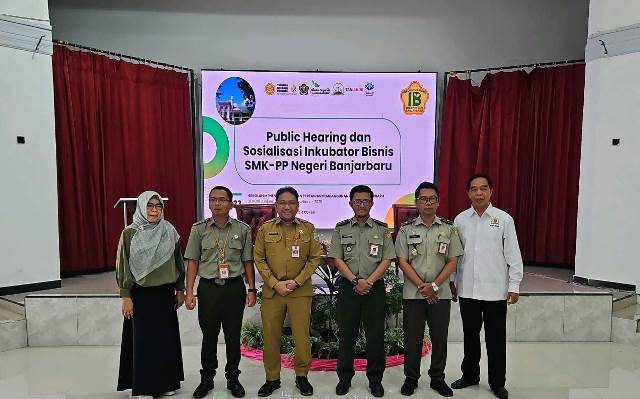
{"points": [[286, 287], [427, 292], [363, 287]]}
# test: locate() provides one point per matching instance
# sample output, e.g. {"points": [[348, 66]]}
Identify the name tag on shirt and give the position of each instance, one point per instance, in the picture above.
{"points": [[495, 222], [373, 250], [442, 248], [295, 251], [223, 270]]}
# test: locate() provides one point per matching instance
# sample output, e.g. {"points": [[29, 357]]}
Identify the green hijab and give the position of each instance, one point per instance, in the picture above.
{"points": [[152, 244]]}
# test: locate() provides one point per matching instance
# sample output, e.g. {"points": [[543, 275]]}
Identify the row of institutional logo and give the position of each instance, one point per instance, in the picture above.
{"points": [[314, 88], [414, 97]]}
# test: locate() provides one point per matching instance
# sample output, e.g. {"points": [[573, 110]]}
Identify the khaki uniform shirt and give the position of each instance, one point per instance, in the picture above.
{"points": [[427, 249], [362, 246], [203, 246], [274, 255]]}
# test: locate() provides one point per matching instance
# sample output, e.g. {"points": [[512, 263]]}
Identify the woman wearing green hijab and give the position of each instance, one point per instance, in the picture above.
{"points": [[150, 274]]}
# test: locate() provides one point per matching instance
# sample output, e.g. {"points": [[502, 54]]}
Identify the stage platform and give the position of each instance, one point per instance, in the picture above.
{"points": [[552, 308], [537, 281]]}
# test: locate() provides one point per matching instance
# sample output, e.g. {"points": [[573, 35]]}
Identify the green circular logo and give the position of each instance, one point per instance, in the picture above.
{"points": [[216, 131]]}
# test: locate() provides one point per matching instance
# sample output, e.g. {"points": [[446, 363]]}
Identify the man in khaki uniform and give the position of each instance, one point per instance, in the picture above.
{"points": [[286, 255], [362, 249], [428, 248], [220, 252]]}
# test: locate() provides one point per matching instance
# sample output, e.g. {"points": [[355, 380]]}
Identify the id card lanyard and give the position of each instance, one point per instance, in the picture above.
{"points": [[223, 266], [295, 248]]}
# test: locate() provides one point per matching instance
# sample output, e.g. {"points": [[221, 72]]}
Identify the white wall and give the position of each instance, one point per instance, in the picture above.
{"points": [[36, 9], [354, 35], [28, 201], [608, 211]]}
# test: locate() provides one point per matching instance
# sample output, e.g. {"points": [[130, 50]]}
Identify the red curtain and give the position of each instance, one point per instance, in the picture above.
{"points": [[524, 130], [121, 128]]}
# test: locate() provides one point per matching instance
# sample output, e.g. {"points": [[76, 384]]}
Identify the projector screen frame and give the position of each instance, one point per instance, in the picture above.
{"points": [[440, 88]]}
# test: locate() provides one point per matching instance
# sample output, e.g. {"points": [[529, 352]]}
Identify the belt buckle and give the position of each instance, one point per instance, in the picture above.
{"points": [[220, 281]]}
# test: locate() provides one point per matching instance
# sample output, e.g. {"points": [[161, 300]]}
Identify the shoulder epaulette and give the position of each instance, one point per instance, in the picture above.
{"points": [[343, 222], [446, 221], [379, 222], [410, 221], [304, 221], [270, 221], [201, 222], [241, 222]]}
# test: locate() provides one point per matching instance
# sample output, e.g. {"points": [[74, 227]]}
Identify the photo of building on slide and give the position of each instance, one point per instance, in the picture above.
{"points": [[235, 100]]}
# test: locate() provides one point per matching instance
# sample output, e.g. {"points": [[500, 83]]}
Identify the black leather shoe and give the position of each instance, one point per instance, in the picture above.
{"points": [[237, 390], [376, 389], [463, 383], [343, 387], [303, 385], [442, 388], [408, 387], [501, 393], [206, 384], [268, 388]]}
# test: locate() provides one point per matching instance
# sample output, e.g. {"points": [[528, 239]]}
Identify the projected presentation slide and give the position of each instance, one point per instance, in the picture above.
{"points": [[321, 133]]}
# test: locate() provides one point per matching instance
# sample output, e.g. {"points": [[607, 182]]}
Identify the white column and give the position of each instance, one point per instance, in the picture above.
{"points": [[608, 236], [28, 176]]}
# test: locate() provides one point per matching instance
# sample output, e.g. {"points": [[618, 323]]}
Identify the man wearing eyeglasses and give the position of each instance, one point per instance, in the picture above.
{"points": [[487, 279], [286, 255], [220, 252], [362, 250], [428, 248]]}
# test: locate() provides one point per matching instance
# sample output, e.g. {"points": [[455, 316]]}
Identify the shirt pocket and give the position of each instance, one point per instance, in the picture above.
{"points": [[235, 249], [495, 235], [304, 243], [415, 246], [348, 247], [273, 245], [209, 252], [374, 243], [272, 237], [305, 237]]}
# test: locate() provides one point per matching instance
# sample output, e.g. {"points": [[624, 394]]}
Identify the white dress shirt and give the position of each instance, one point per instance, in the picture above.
{"points": [[491, 265]]}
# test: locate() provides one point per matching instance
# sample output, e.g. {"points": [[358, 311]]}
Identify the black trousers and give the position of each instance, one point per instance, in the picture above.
{"points": [[494, 315], [221, 306], [354, 308], [415, 312]]}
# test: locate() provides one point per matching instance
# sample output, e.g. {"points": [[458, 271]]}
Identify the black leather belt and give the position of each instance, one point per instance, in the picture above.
{"points": [[220, 281]]}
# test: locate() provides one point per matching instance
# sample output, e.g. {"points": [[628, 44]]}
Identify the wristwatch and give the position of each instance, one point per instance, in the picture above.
{"points": [[435, 287], [255, 291], [354, 282]]}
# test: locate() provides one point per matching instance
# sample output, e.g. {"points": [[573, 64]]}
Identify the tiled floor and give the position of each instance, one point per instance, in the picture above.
{"points": [[535, 370]]}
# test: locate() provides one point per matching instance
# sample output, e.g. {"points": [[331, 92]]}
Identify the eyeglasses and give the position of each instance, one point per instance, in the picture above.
{"points": [[285, 203], [157, 207], [364, 202], [218, 200], [427, 200]]}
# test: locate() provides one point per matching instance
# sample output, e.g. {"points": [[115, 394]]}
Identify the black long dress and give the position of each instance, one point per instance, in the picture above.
{"points": [[150, 352]]}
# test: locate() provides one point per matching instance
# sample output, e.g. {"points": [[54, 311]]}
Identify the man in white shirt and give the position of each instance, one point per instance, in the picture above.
{"points": [[488, 277]]}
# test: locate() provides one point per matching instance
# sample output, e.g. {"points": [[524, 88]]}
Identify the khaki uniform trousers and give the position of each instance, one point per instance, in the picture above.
{"points": [[273, 312]]}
